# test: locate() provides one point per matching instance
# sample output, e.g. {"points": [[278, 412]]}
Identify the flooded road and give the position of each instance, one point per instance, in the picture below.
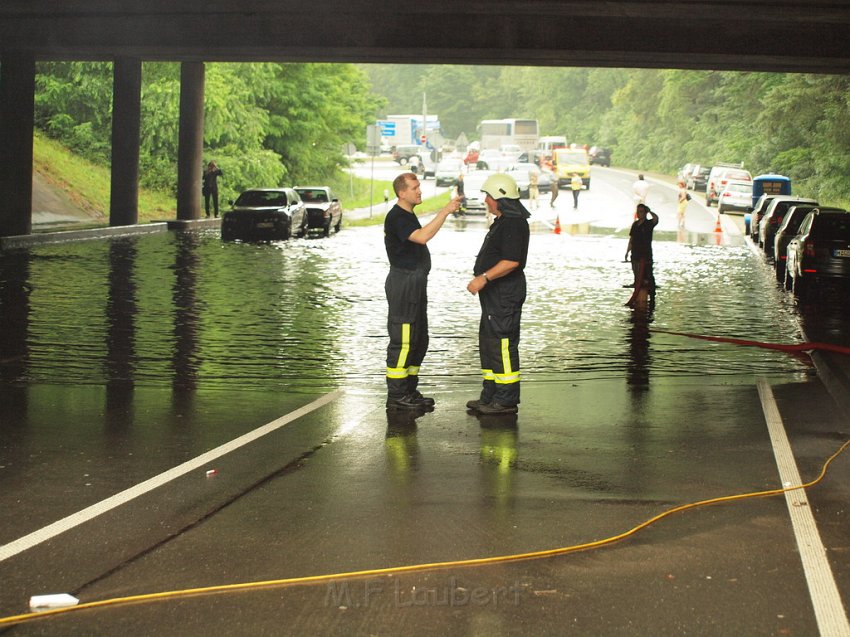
{"points": [[122, 359], [189, 311]]}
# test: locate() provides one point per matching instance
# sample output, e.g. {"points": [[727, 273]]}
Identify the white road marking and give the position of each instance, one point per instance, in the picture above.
{"points": [[829, 609], [75, 519]]}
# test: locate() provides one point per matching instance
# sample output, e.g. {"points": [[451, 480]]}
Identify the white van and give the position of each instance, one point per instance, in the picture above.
{"points": [[552, 142]]}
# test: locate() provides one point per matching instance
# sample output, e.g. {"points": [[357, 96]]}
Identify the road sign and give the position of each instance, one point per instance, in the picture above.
{"points": [[387, 128]]}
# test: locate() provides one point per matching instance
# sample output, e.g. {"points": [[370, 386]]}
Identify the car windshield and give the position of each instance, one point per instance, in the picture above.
{"points": [[258, 198], [313, 195], [572, 157]]}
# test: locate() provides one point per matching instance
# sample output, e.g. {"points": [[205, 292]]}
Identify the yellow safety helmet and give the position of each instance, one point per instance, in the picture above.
{"points": [[500, 186]]}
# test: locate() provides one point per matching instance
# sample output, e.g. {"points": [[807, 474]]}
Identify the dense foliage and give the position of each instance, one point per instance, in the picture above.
{"points": [[795, 124], [284, 123], [265, 124]]}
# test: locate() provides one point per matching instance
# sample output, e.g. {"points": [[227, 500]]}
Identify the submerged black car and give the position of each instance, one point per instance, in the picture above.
{"points": [[787, 231], [819, 252], [265, 214]]}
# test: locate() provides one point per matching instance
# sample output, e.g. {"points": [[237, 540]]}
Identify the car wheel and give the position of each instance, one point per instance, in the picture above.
{"points": [[338, 225], [720, 209], [287, 230], [326, 229], [402, 161], [482, 165]]}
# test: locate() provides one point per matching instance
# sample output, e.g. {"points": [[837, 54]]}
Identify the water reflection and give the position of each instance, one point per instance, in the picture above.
{"points": [[824, 314], [186, 360], [637, 339], [401, 445], [187, 312], [499, 456], [121, 311], [15, 311]]}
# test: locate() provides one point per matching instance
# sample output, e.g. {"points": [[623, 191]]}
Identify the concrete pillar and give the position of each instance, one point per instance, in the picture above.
{"points": [[191, 141], [17, 112], [126, 126]]}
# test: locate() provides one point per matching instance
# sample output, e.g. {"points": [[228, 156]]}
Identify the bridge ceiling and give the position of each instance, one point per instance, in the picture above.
{"points": [[776, 35]]}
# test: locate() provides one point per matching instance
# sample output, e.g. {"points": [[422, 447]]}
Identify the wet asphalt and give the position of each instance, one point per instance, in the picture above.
{"points": [[339, 485]]}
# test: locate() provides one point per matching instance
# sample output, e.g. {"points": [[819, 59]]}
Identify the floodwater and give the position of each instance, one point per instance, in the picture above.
{"points": [[189, 312]]}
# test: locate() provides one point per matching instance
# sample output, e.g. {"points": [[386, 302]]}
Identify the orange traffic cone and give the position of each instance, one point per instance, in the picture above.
{"points": [[558, 224], [717, 227]]}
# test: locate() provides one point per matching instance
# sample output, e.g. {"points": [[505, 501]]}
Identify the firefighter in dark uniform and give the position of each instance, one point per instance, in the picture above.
{"points": [[499, 282], [406, 288]]}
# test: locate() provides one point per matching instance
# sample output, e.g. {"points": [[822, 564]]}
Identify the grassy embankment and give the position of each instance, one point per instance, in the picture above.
{"points": [[86, 185]]}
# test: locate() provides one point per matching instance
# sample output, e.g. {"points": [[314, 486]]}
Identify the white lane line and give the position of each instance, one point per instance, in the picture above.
{"points": [[829, 609], [75, 519]]}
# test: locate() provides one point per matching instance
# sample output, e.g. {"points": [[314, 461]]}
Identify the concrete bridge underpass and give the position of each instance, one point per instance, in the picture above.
{"points": [[754, 35]]}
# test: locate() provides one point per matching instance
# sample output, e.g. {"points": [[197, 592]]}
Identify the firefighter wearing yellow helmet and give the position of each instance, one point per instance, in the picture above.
{"points": [[499, 282]]}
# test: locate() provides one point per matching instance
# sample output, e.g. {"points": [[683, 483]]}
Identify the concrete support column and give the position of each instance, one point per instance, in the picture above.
{"points": [[191, 141], [126, 136], [17, 113]]}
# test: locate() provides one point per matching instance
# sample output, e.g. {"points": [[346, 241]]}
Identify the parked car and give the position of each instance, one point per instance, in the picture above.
{"points": [[403, 152], [323, 208], [773, 215], [521, 173], [599, 156], [448, 170], [684, 171], [787, 231], [265, 214], [423, 163], [698, 177], [737, 196], [819, 252], [511, 152], [719, 176], [757, 213], [472, 191]]}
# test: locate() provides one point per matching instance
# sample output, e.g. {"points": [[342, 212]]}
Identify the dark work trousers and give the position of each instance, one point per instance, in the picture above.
{"points": [[498, 338], [211, 194], [407, 324], [642, 269]]}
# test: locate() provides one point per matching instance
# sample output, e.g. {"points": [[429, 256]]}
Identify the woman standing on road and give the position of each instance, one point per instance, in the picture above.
{"points": [[683, 199]]}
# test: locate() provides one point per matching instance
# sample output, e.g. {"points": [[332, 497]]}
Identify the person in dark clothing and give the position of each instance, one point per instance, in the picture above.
{"points": [[405, 240], [640, 247], [210, 187], [499, 282], [460, 192]]}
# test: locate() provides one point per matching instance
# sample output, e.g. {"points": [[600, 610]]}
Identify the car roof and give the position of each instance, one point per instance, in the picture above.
{"points": [[282, 189], [312, 188], [777, 199]]}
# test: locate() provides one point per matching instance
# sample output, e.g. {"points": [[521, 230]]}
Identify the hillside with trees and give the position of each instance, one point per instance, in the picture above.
{"points": [[794, 124]]}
